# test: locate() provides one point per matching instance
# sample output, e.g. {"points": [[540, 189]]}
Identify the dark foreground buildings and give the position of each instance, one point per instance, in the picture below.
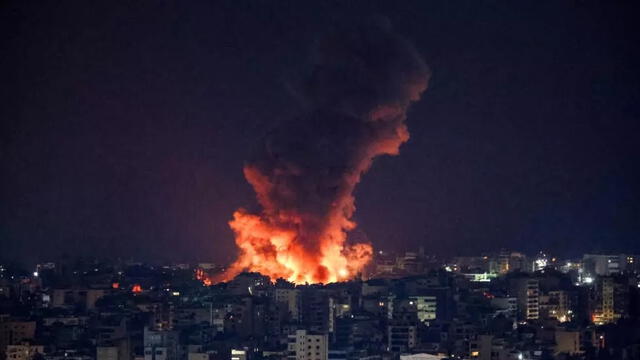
{"points": [[504, 306]]}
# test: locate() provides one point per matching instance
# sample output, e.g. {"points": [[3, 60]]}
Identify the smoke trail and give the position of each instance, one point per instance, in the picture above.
{"points": [[361, 83]]}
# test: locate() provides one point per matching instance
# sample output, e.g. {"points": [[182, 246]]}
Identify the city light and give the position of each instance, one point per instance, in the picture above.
{"points": [[298, 181], [393, 298]]}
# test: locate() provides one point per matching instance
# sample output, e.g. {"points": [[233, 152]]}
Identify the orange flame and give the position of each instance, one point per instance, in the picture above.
{"points": [[270, 243], [204, 277], [360, 90], [274, 251]]}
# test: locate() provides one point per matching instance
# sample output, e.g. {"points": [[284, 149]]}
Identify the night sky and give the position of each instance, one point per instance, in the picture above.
{"points": [[125, 125]]}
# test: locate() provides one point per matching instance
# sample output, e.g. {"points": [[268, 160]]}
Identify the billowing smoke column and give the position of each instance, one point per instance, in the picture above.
{"points": [[361, 84]]}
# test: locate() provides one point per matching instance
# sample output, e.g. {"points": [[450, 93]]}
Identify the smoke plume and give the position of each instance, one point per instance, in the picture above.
{"points": [[361, 83]]}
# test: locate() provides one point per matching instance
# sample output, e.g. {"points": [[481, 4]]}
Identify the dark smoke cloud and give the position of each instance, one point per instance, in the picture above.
{"points": [[356, 68], [361, 82]]}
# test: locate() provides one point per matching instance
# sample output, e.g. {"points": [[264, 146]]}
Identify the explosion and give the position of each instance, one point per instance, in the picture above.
{"points": [[361, 83]]}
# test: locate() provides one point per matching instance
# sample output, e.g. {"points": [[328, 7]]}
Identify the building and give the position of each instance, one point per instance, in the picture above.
{"points": [[161, 345], [527, 291], [85, 298], [604, 265], [480, 347], [107, 353], [401, 337], [236, 354], [556, 305], [568, 342], [603, 309], [289, 298], [426, 307], [305, 345], [315, 312], [611, 301], [505, 306], [247, 283], [410, 263], [502, 262], [15, 332], [24, 351]]}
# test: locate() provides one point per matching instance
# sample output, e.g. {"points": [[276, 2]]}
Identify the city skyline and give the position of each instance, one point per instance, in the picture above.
{"points": [[505, 306], [319, 180]]}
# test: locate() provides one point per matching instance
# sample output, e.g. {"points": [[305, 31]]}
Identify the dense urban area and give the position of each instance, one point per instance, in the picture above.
{"points": [[410, 306]]}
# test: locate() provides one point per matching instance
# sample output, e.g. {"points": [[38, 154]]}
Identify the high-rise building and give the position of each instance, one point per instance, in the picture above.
{"points": [[402, 329], [527, 290], [556, 304], [604, 311], [290, 299], [611, 300], [315, 310], [305, 345], [503, 262]]}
